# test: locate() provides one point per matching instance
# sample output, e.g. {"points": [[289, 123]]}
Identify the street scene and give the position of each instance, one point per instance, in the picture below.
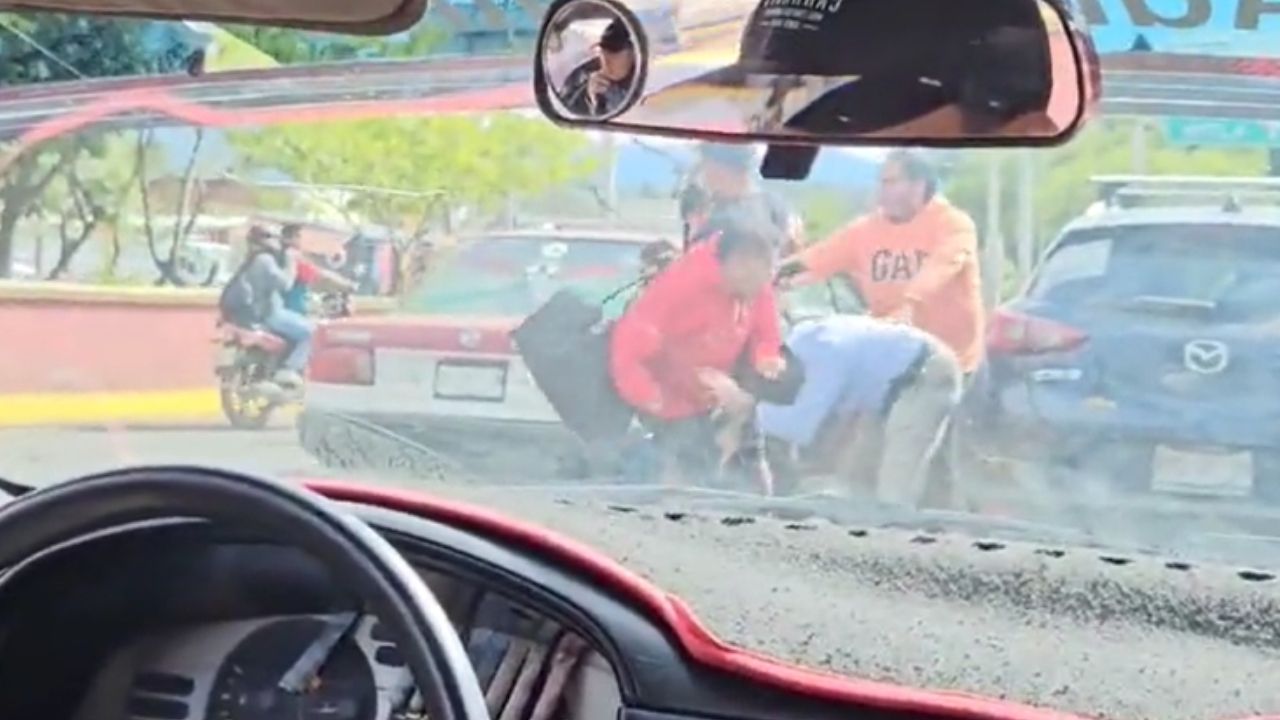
{"points": [[958, 371]]}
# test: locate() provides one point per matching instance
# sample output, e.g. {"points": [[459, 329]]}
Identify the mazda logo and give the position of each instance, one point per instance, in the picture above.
{"points": [[1206, 357]]}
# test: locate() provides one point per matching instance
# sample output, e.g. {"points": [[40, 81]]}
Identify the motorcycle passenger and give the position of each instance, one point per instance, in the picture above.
{"points": [[673, 352], [877, 394]]}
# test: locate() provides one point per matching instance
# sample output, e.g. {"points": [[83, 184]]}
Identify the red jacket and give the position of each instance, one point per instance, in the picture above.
{"points": [[684, 321]]}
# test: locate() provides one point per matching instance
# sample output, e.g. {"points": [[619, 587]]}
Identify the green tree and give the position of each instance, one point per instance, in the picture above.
{"points": [[1062, 189], [290, 47], [39, 48], [389, 166]]}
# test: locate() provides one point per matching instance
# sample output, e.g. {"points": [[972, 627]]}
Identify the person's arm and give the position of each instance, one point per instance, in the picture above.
{"points": [[274, 276], [957, 247], [820, 261], [637, 336]]}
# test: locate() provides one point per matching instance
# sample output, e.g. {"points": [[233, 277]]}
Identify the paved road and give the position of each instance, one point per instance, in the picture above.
{"points": [[1089, 631]]}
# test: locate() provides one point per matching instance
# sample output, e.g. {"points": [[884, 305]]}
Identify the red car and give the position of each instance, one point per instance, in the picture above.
{"points": [[443, 371]]}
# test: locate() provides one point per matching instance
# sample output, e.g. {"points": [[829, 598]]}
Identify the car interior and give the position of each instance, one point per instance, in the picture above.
{"points": [[177, 593], [160, 613]]}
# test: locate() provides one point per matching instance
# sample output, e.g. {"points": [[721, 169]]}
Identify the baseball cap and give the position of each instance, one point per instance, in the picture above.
{"points": [[858, 37], [896, 60], [615, 37]]}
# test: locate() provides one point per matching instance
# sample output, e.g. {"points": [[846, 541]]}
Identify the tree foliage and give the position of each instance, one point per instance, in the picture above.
{"points": [[41, 47], [290, 47], [37, 48], [1061, 189], [391, 167]]}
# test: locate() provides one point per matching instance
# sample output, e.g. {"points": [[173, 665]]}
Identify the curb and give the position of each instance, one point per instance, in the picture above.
{"points": [[200, 405]]}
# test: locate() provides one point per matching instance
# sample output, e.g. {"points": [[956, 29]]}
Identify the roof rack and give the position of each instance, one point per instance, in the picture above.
{"points": [[1125, 191]]}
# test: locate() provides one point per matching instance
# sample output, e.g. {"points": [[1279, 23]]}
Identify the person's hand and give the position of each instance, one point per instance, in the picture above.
{"points": [[726, 393], [771, 368], [597, 86]]}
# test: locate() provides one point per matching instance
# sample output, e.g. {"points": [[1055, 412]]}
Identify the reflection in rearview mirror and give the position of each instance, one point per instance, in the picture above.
{"points": [[593, 60], [844, 71]]}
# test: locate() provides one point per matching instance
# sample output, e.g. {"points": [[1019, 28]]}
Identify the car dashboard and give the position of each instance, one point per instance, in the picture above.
{"points": [[177, 623]]}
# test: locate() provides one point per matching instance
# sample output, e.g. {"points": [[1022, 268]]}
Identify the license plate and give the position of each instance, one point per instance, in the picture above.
{"points": [[471, 381], [1202, 473]]}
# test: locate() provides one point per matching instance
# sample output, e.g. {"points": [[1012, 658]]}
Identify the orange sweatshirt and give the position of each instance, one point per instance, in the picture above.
{"points": [[929, 262]]}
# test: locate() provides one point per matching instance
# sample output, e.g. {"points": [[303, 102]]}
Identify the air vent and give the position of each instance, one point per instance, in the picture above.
{"points": [[160, 696], [158, 683]]}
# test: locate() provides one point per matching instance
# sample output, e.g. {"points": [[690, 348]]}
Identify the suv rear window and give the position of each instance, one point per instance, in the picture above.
{"points": [[513, 276], [1229, 270]]}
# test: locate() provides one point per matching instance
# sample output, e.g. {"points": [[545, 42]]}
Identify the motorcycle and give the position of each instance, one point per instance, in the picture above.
{"points": [[248, 359]]}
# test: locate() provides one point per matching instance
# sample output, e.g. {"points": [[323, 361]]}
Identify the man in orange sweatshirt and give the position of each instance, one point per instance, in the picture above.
{"points": [[915, 259]]}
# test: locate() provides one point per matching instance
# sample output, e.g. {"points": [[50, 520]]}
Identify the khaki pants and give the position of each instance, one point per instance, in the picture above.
{"points": [[892, 451]]}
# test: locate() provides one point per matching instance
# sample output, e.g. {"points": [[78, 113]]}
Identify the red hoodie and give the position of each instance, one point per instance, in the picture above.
{"points": [[684, 321]]}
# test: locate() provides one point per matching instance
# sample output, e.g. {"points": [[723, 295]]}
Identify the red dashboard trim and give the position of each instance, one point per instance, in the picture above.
{"points": [[701, 645]]}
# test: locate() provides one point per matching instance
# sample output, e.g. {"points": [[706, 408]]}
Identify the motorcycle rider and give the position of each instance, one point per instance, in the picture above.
{"points": [[267, 275], [297, 298]]}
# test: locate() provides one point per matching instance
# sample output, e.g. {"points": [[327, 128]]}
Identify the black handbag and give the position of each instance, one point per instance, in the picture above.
{"points": [[565, 346]]}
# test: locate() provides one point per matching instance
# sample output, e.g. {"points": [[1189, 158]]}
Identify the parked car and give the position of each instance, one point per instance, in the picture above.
{"points": [[1144, 354], [443, 371]]}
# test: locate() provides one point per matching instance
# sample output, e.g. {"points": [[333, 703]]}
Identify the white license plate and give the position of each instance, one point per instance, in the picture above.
{"points": [[1202, 473], [471, 381]]}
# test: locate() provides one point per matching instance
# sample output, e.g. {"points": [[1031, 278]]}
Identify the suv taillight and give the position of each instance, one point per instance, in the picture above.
{"points": [[1013, 333]]}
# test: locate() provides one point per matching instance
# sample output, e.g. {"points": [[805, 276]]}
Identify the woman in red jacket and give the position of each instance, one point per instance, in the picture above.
{"points": [[674, 350]]}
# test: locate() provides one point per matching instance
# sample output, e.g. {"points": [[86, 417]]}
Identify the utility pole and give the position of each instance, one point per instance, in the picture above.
{"points": [[993, 250], [1026, 214], [1139, 159]]}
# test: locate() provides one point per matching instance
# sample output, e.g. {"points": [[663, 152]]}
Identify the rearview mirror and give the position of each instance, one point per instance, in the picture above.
{"points": [[929, 72], [369, 17]]}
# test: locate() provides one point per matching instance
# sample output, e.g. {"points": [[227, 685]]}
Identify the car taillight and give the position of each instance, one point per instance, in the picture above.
{"points": [[1013, 333], [341, 366]]}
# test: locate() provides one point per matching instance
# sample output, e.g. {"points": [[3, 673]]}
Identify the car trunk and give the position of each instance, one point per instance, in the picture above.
{"points": [[440, 365], [1177, 340]]}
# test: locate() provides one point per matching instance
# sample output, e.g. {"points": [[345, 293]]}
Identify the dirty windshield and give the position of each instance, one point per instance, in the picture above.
{"points": [[998, 421]]}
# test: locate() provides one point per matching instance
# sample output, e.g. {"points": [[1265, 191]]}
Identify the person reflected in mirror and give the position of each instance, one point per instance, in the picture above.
{"points": [[599, 86], [914, 259], [674, 351], [728, 174], [873, 407]]}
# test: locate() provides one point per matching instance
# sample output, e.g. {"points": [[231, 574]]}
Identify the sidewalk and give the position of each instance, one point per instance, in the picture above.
{"points": [[196, 405]]}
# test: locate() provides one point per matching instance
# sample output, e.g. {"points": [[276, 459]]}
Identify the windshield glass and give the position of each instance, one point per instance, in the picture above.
{"points": [[514, 276], [1227, 268], [1003, 422]]}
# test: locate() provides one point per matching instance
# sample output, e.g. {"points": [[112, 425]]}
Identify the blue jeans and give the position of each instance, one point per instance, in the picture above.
{"points": [[297, 330]]}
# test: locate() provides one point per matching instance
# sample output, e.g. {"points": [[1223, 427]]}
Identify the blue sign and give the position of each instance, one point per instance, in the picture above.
{"points": [[1205, 132], [1249, 28]]}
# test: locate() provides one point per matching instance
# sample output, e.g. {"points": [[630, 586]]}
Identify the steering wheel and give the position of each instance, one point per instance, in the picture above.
{"points": [[358, 557]]}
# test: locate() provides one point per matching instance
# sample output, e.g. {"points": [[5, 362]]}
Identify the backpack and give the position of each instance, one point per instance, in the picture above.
{"points": [[236, 302]]}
